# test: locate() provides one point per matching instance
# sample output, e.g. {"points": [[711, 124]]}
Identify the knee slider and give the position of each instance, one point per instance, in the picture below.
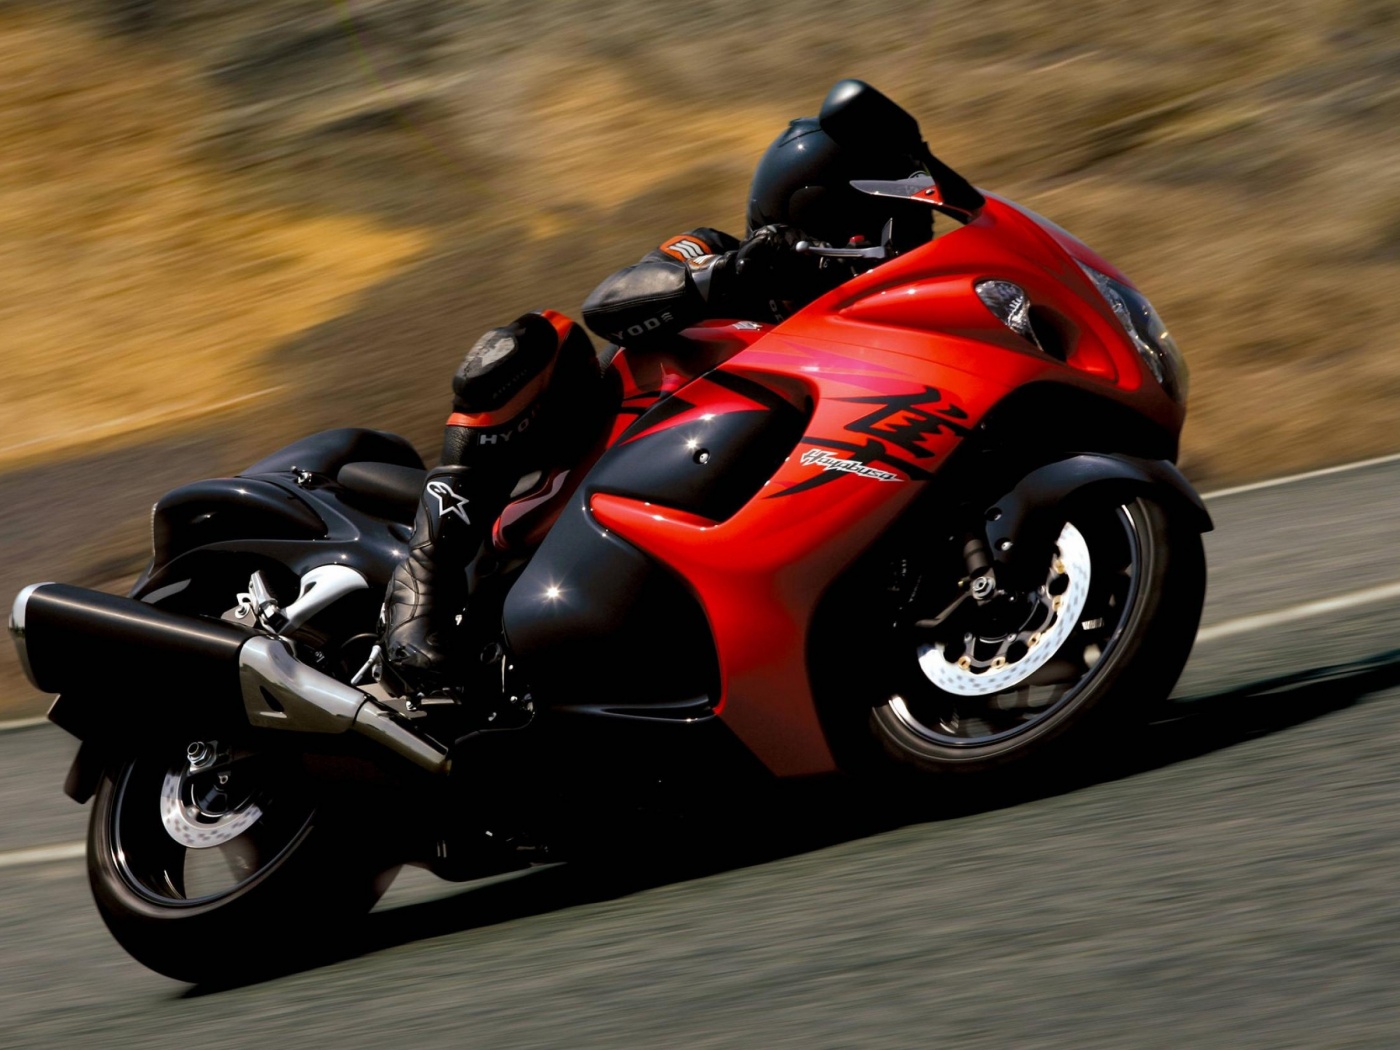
{"points": [[503, 364]]}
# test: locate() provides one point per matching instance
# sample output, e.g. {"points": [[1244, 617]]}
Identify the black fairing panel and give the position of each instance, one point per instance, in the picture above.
{"points": [[707, 467], [591, 608], [593, 618], [326, 452], [218, 530], [222, 509]]}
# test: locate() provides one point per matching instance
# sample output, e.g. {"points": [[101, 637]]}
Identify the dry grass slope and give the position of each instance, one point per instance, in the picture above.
{"points": [[137, 287], [1234, 158]]}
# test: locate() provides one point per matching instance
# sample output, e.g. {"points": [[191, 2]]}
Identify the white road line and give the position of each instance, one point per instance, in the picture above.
{"points": [[1288, 479], [1262, 621], [43, 855], [22, 723]]}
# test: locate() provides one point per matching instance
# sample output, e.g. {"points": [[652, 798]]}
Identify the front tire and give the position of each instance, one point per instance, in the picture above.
{"points": [[1120, 608], [222, 874]]}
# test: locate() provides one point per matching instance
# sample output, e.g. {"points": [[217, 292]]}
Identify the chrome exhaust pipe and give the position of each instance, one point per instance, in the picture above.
{"points": [[73, 641], [281, 692], [17, 630]]}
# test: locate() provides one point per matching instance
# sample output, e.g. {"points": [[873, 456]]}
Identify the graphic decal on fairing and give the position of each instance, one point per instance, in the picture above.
{"points": [[448, 501], [860, 456], [828, 460], [902, 420], [714, 394]]}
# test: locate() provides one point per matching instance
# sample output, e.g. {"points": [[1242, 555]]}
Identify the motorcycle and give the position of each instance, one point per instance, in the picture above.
{"points": [[927, 526]]}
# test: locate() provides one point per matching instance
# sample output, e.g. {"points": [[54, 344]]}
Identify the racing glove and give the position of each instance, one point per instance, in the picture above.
{"points": [[768, 266]]}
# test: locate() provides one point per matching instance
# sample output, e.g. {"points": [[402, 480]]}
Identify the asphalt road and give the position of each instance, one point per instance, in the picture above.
{"points": [[1233, 884]]}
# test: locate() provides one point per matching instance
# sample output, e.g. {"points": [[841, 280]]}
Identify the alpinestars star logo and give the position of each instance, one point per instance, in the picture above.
{"points": [[820, 457], [448, 501]]}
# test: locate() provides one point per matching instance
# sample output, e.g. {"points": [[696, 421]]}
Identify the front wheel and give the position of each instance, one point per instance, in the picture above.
{"points": [[211, 862], [1108, 631]]}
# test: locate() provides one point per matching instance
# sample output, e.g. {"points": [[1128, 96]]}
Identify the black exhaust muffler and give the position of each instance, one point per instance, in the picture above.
{"points": [[72, 638], [121, 665]]}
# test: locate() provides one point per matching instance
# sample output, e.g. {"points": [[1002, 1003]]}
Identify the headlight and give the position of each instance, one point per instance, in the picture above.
{"points": [[1146, 330]]}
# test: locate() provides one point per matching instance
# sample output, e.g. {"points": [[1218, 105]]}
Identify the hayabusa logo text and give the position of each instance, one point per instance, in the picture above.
{"points": [[904, 421], [820, 457]]}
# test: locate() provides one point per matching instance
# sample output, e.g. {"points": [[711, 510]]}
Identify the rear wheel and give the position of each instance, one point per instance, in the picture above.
{"points": [[1106, 632], [211, 862]]}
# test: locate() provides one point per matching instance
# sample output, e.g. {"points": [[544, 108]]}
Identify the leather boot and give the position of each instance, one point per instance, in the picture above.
{"points": [[510, 376], [428, 588]]}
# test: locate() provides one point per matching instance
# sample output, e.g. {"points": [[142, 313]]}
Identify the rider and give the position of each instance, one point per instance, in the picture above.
{"points": [[524, 392]]}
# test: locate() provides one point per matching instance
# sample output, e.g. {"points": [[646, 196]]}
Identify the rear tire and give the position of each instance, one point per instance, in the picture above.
{"points": [[227, 890], [1119, 651]]}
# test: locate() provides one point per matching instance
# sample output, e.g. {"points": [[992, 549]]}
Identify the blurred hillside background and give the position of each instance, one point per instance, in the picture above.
{"points": [[227, 223]]}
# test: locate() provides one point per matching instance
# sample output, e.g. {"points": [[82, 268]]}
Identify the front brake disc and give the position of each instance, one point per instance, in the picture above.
{"points": [[1031, 648]]}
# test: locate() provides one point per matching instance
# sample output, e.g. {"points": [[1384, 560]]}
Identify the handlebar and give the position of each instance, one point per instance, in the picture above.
{"points": [[883, 250]]}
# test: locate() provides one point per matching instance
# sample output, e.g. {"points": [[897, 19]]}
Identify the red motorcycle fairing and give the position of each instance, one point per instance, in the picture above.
{"points": [[892, 371], [930, 291], [876, 428]]}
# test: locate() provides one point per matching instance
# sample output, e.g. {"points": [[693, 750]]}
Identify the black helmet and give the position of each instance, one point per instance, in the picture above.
{"points": [[804, 179]]}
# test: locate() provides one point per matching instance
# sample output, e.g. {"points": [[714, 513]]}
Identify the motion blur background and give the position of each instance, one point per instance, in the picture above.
{"points": [[227, 223]]}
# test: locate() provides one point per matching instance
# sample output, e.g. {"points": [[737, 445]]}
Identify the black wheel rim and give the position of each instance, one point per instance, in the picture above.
{"points": [[153, 864], [946, 719]]}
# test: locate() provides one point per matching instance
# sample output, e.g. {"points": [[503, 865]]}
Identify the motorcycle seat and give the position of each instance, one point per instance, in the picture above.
{"points": [[390, 489]]}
